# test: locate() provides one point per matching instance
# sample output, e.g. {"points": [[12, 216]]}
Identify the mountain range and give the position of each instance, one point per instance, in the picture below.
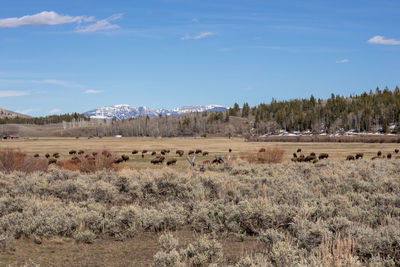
{"points": [[126, 111], [11, 114]]}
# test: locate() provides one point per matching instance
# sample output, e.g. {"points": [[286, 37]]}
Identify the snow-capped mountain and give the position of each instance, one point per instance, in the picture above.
{"points": [[125, 111]]}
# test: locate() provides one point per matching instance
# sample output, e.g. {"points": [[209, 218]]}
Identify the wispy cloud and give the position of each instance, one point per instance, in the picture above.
{"points": [[13, 93], [195, 20], [43, 18], [382, 41], [54, 111], [342, 61], [63, 83], [100, 25], [197, 37], [90, 91]]}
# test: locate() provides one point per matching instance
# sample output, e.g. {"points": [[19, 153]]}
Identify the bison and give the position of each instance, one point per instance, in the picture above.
{"points": [[153, 153], [47, 155], [125, 157], [230, 150], [198, 151], [294, 155], [52, 161], [171, 162], [94, 154], [56, 155], [313, 154], [298, 150], [134, 152], [375, 157], [118, 161], [323, 156], [389, 156], [191, 152], [72, 152], [350, 157], [379, 153], [261, 150], [144, 151], [36, 155], [158, 160], [81, 152], [359, 155], [205, 153], [396, 151], [217, 161], [180, 153], [310, 158]]}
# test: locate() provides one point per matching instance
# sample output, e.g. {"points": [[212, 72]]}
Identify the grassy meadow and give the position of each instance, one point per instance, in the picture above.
{"points": [[215, 147]]}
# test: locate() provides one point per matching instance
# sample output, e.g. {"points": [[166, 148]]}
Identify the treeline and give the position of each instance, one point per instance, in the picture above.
{"points": [[371, 111], [44, 120]]}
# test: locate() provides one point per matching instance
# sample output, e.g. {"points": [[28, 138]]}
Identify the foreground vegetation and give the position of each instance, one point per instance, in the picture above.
{"points": [[329, 213]]}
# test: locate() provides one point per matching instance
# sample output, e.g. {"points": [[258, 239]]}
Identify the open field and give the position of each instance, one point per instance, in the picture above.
{"points": [[324, 214], [215, 146]]}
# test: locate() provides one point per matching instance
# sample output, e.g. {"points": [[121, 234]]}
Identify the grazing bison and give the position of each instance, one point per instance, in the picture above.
{"points": [[294, 155], [359, 155], [171, 162], [118, 161], [52, 161], [310, 158], [205, 153], [375, 157], [157, 160], [180, 153], [313, 154], [261, 150], [217, 161], [36, 155], [198, 151], [206, 162], [389, 156], [81, 152], [379, 153], [153, 153], [350, 157], [94, 154], [315, 161], [323, 156], [298, 150], [230, 150], [56, 155], [301, 158], [134, 152], [191, 152], [144, 151], [163, 151], [396, 151], [47, 155], [72, 152], [125, 157]]}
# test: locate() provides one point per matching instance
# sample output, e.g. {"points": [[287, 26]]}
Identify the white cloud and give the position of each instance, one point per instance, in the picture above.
{"points": [[62, 83], [197, 37], [43, 18], [90, 91], [100, 25], [203, 35], [342, 61], [195, 20], [54, 111], [13, 93], [382, 41]]}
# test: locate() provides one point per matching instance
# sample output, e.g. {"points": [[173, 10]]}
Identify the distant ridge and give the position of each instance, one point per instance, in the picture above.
{"points": [[126, 111], [11, 114]]}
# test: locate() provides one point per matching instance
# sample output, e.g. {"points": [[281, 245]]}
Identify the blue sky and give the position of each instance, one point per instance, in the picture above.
{"points": [[73, 56]]}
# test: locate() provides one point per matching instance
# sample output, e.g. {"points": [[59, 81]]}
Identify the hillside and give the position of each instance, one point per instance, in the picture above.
{"points": [[11, 114]]}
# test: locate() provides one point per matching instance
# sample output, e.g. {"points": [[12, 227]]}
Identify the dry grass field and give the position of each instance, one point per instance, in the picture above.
{"points": [[215, 147]]}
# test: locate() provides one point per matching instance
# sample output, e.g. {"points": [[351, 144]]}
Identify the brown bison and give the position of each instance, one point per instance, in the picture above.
{"points": [[56, 155], [153, 153], [81, 152], [52, 161], [72, 152], [36, 155], [313, 154], [47, 155], [379, 153], [125, 157], [350, 157], [118, 161], [396, 151], [217, 161], [323, 156], [310, 158], [191, 152], [205, 153], [359, 155], [375, 157], [144, 151], [94, 154], [261, 150], [230, 150], [198, 151], [298, 150], [180, 153], [294, 155], [171, 162], [315, 161], [134, 152], [157, 160], [389, 156]]}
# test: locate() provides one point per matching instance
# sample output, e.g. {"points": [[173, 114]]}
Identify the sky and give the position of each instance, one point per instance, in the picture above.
{"points": [[73, 56]]}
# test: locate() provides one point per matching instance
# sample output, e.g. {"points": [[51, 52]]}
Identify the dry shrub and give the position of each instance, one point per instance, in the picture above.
{"points": [[90, 165], [14, 160], [270, 155]]}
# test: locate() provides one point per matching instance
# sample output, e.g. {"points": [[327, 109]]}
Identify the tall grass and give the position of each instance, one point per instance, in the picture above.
{"points": [[14, 160], [270, 155]]}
